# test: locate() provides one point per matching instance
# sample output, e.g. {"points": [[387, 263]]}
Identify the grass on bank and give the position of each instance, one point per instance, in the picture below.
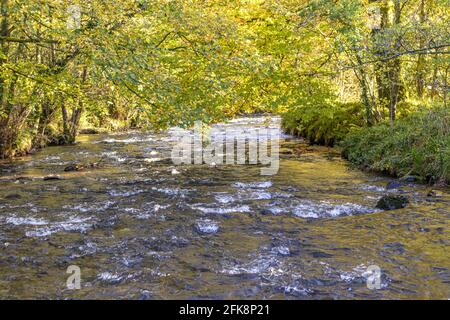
{"points": [[417, 144]]}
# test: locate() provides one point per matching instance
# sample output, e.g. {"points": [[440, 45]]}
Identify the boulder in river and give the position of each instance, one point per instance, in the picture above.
{"points": [[13, 196], [394, 185], [392, 202], [73, 167]]}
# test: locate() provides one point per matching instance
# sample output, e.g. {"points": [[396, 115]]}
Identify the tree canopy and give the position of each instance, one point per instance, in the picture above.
{"points": [[157, 63]]}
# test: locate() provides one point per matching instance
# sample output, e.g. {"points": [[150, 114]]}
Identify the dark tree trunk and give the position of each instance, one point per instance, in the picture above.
{"points": [[395, 68], [71, 125], [446, 86], [382, 72], [421, 57]]}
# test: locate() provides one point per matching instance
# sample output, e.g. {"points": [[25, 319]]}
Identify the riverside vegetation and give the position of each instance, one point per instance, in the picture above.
{"points": [[371, 76]]}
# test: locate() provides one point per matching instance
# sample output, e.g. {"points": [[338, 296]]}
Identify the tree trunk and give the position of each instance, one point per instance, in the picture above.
{"points": [[46, 115], [421, 58], [4, 32], [382, 72], [395, 89], [434, 90], [446, 87], [395, 68], [365, 92], [3, 114], [71, 125]]}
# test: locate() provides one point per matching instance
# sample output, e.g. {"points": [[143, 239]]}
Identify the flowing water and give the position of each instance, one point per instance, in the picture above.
{"points": [[139, 227]]}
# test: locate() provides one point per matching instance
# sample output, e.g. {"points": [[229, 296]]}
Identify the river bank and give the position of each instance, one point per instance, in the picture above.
{"points": [[416, 147]]}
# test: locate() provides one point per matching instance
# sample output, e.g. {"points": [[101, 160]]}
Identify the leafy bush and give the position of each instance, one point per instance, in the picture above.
{"points": [[324, 123], [418, 144]]}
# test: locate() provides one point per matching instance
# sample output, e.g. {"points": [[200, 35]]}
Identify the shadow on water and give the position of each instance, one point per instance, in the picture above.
{"points": [[139, 229]]}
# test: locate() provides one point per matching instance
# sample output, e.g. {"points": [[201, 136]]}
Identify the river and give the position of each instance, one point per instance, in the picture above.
{"points": [[139, 227]]}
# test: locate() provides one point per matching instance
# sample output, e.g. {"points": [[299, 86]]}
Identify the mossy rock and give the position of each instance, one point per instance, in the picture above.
{"points": [[392, 202]]}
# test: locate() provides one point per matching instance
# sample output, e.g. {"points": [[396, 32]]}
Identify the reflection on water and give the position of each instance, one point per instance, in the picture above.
{"points": [[140, 228]]}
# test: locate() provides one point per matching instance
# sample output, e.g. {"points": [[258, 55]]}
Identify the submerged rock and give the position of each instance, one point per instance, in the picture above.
{"points": [[145, 295], [410, 179], [53, 177], [265, 212], [73, 167], [391, 202], [321, 254], [14, 196], [402, 182], [394, 185]]}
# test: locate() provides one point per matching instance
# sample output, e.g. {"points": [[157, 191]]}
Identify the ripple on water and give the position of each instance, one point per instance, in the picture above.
{"points": [[37, 227], [87, 207], [296, 289], [356, 275], [323, 209], [206, 226], [221, 210], [114, 156], [149, 210], [127, 141], [252, 185], [249, 195], [18, 221], [273, 271], [172, 191], [368, 187], [88, 248], [263, 264], [116, 193], [281, 250], [131, 261], [110, 277], [85, 248]]}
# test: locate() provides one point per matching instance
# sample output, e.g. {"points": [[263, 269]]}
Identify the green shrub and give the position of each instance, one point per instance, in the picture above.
{"points": [[418, 144], [324, 123]]}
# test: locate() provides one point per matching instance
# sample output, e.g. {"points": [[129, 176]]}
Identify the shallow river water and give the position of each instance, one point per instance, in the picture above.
{"points": [[139, 227]]}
